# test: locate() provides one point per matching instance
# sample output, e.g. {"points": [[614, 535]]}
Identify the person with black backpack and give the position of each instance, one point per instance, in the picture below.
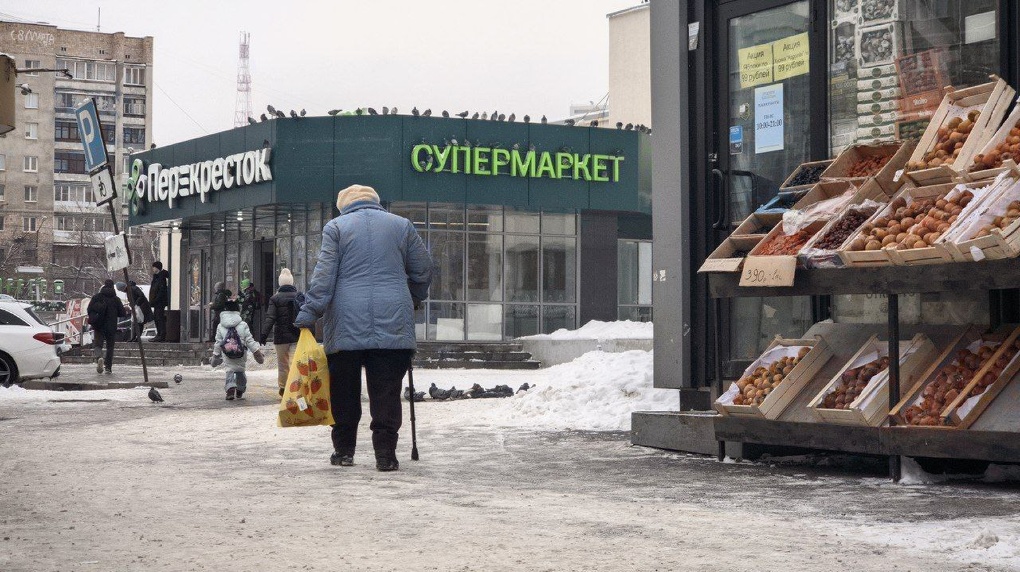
{"points": [[233, 341], [104, 312], [283, 308]]}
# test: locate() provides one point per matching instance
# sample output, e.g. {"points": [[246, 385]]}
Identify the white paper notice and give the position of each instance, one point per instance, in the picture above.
{"points": [[768, 118]]}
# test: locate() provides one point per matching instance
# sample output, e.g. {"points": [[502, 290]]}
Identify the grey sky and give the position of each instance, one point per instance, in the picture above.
{"points": [[525, 56]]}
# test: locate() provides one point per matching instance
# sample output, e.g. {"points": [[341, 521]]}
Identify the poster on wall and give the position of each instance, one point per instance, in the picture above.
{"points": [[768, 118]]}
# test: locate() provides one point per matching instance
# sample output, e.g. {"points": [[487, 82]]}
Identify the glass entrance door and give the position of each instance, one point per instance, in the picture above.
{"points": [[765, 121]]}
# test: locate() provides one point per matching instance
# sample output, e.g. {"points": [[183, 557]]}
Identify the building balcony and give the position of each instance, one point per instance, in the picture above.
{"points": [[73, 207], [89, 238]]}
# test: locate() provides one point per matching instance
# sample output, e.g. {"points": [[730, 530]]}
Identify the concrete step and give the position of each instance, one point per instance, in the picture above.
{"points": [[468, 346], [137, 361]]}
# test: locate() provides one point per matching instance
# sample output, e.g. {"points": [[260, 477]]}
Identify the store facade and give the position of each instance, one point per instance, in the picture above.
{"points": [[531, 227], [747, 90]]}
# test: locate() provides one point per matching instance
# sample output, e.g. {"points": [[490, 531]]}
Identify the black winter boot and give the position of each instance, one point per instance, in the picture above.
{"points": [[341, 460], [386, 461]]}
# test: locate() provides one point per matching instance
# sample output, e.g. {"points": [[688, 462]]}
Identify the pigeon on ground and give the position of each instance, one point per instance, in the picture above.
{"points": [[154, 395], [178, 378], [456, 393], [503, 390], [438, 394], [463, 114], [524, 387], [475, 391], [418, 395]]}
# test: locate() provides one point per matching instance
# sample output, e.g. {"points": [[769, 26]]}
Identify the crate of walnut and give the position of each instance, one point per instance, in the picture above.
{"points": [[961, 126], [859, 393], [775, 379]]}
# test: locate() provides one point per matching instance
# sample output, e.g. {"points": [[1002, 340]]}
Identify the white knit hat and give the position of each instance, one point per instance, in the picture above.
{"points": [[355, 193], [286, 278]]}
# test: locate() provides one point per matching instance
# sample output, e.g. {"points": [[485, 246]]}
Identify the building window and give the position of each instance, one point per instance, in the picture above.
{"points": [[30, 164], [89, 70], [32, 101], [87, 190], [134, 75], [134, 135], [634, 280], [65, 131], [3, 162], [3, 190], [32, 64], [65, 223], [28, 223], [106, 105], [66, 101], [62, 193], [31, 193], [1, 228], [31, 131], [69, 162], [134, 106]]}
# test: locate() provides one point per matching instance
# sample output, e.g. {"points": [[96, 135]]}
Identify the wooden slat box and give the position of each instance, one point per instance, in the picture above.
{"points": [[977, 172], [898, 153], [727, 256]]}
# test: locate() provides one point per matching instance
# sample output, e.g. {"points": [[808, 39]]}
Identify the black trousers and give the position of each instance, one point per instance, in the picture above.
{"points": [[384, 374], [98, 338], [159, 316]]}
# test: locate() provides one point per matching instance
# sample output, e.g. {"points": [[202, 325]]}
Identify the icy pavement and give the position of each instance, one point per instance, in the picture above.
{"points": [[199, 483]]}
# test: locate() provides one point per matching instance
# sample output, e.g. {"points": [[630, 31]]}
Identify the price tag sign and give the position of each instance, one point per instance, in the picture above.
{"points": [[768, 271]]}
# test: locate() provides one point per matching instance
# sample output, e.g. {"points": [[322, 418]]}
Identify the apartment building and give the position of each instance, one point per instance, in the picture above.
{"points": [[49, 226]]}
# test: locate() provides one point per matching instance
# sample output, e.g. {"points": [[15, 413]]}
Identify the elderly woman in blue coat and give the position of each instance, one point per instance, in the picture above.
{"points": [[372, 271]]}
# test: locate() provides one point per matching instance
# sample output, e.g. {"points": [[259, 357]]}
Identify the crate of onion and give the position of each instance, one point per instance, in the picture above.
{"points": [[859, 393], [961, 126], [775, 379], [965, 378]]}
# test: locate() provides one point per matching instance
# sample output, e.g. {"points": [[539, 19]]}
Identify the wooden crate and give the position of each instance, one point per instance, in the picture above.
{"points": [[898, 152], [787, 184], [991, 99], [784, 393], [963, 412], [809, 257], [963, 340], [881, 257], [812, 229], [726, 257], [1001, 243], [871, 407], [977, 173], [757, 224]]}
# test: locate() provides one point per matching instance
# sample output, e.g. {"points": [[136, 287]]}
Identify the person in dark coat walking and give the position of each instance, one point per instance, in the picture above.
{"points": [[219, 303], [143, 313], [104, 312], [159, 299], [370, 270], [280, 317], [250, 300]]}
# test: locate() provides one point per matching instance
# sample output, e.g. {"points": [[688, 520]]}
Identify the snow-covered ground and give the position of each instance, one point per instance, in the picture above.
{"points": [[597, 330]]}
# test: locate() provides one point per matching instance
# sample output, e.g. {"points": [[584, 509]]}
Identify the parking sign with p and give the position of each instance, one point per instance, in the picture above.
{"points": [[91, 135]]}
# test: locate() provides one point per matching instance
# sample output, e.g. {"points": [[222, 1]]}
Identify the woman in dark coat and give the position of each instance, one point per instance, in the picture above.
{"points": [[280, 321]]}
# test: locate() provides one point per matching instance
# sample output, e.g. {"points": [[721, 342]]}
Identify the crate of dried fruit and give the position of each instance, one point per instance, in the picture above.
{"points": [[887, 227], [961, 126], [993, 232], [959, 370], [775, 379], [934, 219], [822, 250], [729, 256], [808, 216], [758, 224], [879, 161], [986, 385], [879, 45], [1001, 152], [806, 174], [859, 393]]}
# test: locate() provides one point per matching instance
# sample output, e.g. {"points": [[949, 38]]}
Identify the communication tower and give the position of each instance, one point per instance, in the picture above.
{"points": [[242, 107]]}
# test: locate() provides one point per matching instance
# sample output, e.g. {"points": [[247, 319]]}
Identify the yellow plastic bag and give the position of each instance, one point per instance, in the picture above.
{"points": [[305, 400]]}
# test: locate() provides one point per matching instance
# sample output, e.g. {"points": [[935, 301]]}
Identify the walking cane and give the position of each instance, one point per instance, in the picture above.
{"points": [[414, 434]]}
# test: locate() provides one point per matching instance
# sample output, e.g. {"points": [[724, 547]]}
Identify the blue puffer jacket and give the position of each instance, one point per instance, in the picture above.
{"points": [[370, 265]]}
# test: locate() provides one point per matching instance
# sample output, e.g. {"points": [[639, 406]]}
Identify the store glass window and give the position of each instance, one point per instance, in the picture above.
{"points": [[446, 217], [417, 213], [447, 251], [446, 321], [485, 219], [557, 317], [559, 269], [634, 280], [559, 223], [520, 320], [522, 222], [521, 270], [485, 322], [890, 59], [485, 267]]}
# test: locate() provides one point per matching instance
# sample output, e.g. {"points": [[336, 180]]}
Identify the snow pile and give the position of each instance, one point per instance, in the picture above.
{"points": [[596, 392], [597, 330], [992, 542], [20, 395]]}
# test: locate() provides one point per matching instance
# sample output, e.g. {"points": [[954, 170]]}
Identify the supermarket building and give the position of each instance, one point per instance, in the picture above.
{"points": [[531, 227]]}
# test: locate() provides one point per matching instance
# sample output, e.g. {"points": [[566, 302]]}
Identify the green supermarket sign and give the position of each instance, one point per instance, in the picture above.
{"points": [[495, 161]]}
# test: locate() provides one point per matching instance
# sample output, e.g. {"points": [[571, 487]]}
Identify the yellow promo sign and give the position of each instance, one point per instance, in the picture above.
{"points": [[791, 56], [755, 65]]}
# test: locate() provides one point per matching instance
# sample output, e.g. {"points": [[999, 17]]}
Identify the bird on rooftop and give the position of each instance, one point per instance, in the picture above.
{"points": [[25, 89], [263, 117], [527, 119], [463, 114], [251, 121], [385, 110], [544, 120], [271, 109], [359, 111], [293, 114], [485, 115], [415, 112], [619, 125], [594, 123], [393, 111], [475, 116], [154, 395], [280, 114], [302, 113], [334, 111], [511, 118], [629, 127], [446, 113], [427, 113], [502, 117], [372, 111], [569, 122]]}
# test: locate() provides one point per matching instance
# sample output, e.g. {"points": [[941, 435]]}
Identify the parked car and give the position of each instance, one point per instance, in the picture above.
{"points": [[29, 348]]}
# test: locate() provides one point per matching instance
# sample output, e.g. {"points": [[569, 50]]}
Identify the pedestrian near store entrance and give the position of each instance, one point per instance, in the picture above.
{"points": [[104, 312], [143, 311], [283, 309], [233, 342], [220, 297], [159, 299], [250, 300], [371, 271]]}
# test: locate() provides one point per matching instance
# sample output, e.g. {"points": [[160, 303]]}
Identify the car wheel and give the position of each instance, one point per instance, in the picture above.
{"points": [[8, 371]]}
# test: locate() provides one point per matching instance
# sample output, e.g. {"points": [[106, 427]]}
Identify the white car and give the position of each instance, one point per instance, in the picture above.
{"points": [[29, 348]]}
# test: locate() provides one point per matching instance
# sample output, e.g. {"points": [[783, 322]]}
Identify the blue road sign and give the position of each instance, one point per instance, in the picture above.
{"points": [[91, 135]]}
